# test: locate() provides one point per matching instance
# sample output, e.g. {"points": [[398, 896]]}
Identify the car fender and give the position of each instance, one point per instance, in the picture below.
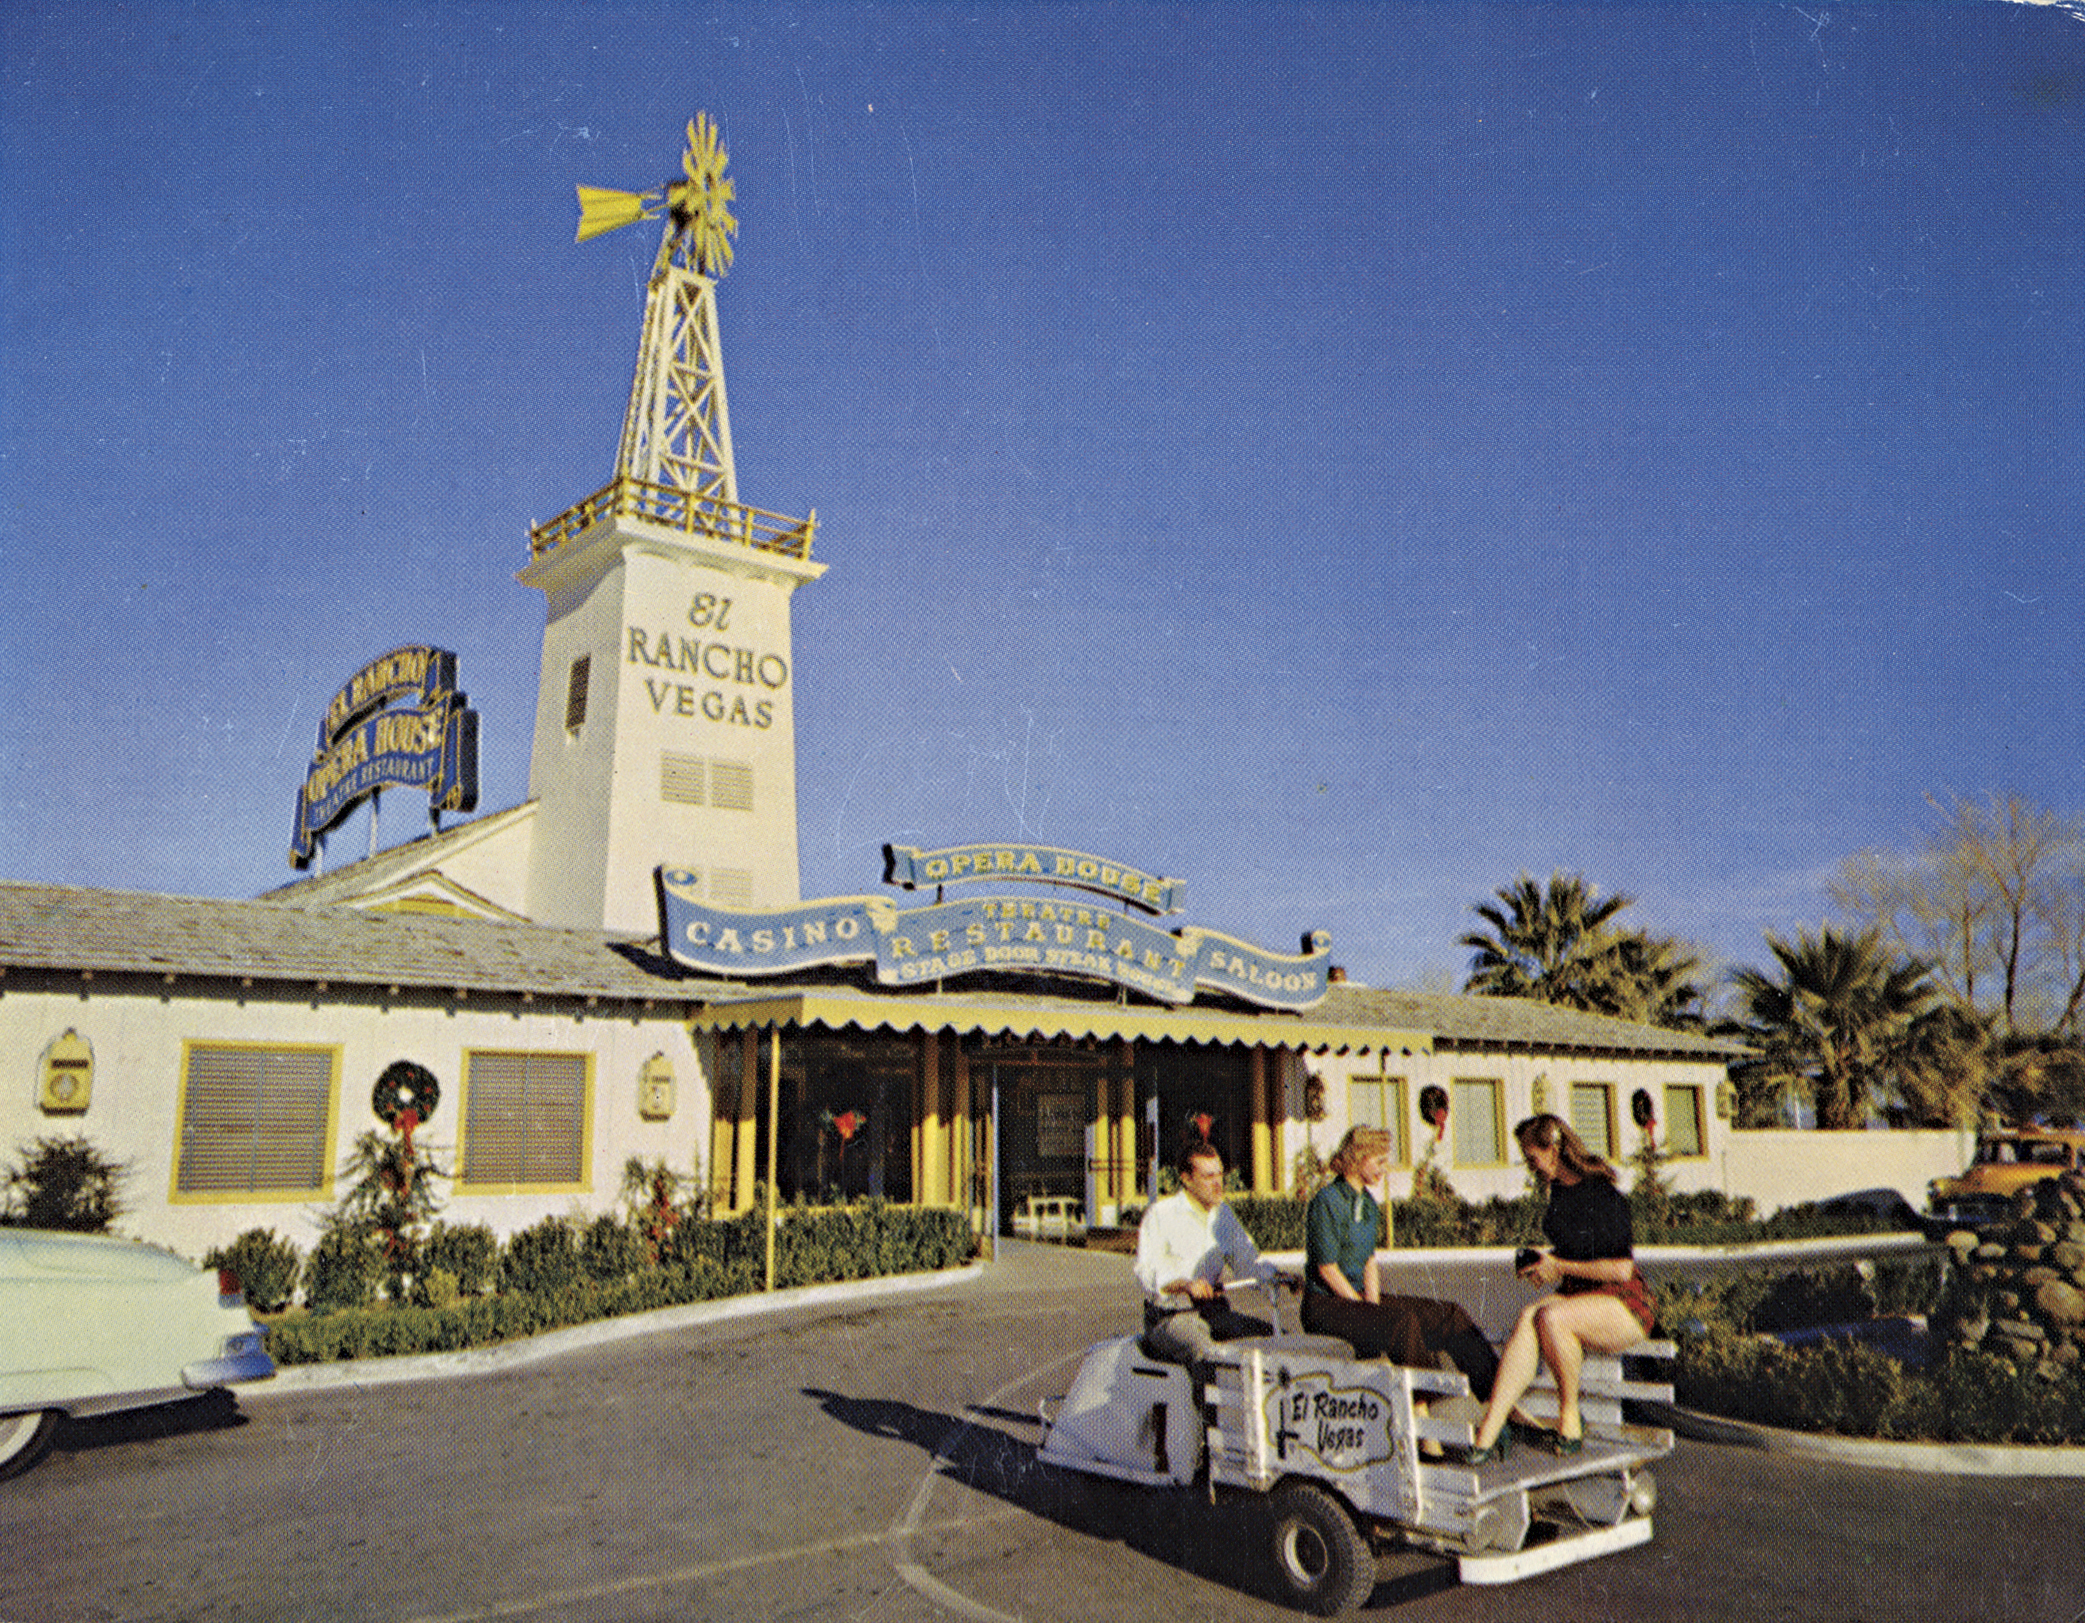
{"points": [[55, 1388]]}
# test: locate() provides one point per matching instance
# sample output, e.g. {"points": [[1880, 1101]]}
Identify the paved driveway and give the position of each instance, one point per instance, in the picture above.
{"points": [[876, 1462]]}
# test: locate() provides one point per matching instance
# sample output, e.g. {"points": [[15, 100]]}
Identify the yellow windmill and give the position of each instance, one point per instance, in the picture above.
{"points": [[677, 432], [697, 207]]}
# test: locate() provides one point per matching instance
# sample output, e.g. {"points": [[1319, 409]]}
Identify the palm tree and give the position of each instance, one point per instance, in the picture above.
{"points": [[1837, 1021], [1552, 946], [1559, 945]]}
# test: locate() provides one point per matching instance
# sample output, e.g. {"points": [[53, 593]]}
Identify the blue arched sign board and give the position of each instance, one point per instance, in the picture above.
{"points": [[1000, 933], [369, 740]]}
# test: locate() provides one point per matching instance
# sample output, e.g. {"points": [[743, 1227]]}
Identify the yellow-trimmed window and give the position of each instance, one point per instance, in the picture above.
{"points": [[1592, 1116], [1683, 1120], [256, 1121], [525, 1120], [1477, 1122], [1379, 1101]]}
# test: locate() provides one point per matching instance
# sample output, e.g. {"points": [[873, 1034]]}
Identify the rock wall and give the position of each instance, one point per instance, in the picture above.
{"points": [[2019, 1289]]}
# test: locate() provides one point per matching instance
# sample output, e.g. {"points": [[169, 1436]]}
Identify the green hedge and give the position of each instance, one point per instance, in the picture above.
{"points": [[1857, 1391], [560, 1274], [1728, 1365], [267, 1265], [1275, 1222]]}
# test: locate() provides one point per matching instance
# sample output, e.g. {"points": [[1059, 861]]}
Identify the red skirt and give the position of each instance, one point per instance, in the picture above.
{"points": [[1634, 1293]]}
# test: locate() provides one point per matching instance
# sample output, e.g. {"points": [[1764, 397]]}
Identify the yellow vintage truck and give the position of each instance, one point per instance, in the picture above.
{"points": [[2007, 1161]]}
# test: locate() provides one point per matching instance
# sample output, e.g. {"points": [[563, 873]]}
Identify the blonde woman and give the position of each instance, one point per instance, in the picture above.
{"points": [[1343, 1289], [1600, 1299]]}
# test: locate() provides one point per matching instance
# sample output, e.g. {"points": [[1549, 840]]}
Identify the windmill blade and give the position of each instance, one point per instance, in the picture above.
{"points": [[602, 210]]}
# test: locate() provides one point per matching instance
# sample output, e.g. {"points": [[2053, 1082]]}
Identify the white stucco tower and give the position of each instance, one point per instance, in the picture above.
{"points": [[666, 707]]}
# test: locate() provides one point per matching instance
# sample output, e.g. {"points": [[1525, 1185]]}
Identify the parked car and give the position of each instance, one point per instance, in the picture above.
{"points": [[1887, 1204], [2007, 1161], [91, 1324]]}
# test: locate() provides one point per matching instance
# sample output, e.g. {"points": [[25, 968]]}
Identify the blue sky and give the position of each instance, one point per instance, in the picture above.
{"points": [[1342, 456]]}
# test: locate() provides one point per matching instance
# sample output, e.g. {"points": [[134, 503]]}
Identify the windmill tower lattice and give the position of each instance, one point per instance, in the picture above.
{"points": [[665, 717], [677, 431]]}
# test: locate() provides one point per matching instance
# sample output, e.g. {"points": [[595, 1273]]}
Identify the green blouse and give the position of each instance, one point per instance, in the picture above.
{"points": [[1344, 1226]]}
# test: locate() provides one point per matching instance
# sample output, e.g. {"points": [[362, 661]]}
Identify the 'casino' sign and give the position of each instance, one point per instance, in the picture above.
{"points": [[398, 723], [1000, 933]]}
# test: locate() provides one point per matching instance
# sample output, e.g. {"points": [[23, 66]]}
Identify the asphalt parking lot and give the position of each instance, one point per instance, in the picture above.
{"points": [[874, 1459]]}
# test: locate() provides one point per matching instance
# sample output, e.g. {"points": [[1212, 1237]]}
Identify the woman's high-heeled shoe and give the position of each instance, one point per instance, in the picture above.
{"points": [[1566, 1446], [1499, 1447]]}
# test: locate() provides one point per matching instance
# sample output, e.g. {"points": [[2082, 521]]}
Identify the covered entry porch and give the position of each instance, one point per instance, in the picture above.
{"points": [[991, 1104]]}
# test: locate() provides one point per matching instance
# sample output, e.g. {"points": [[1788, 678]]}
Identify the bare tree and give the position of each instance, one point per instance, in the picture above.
{"points": [[1994, 900]]}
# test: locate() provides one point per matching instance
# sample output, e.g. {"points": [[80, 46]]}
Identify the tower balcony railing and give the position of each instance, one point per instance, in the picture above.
{"points": [[685, 510]]}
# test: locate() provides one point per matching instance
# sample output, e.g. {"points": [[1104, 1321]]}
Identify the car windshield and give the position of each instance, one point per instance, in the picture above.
{"points": [[2006, 1152]]}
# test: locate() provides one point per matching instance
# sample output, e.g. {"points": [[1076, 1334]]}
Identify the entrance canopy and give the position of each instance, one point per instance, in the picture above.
{"points": [[1002, 1014]]}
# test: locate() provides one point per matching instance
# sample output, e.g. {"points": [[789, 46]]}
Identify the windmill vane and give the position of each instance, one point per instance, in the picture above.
{"points": [[696, 208]]}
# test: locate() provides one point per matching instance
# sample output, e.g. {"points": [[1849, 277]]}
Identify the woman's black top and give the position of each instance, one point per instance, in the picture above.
{"points": [[1588, 1221]]}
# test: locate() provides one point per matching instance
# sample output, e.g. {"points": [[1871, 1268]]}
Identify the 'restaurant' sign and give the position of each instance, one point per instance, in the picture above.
{"points": [[1044, 935], [369, 740]]}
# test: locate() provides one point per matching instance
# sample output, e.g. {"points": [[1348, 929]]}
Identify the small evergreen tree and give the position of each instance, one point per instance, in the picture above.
{"points": [[1650, 1197], [64, 1183], [652, 1192], [392, 1199]]}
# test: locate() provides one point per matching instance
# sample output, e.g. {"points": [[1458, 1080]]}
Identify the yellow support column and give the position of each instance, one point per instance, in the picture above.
{"points": [[933, 1145], [1125, 1146], [959, 1128], [723, 1112], [1263, 1170], [748, 1133]]}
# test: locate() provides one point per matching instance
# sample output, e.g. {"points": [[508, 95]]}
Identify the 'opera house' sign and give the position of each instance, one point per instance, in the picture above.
{"points": [[398, 723], [1044, 934]]}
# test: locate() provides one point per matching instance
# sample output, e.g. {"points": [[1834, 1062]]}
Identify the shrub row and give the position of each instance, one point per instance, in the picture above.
{"points": [[1709, 1217], [481, 1321], [566, 1271], [1729, 1364], [1964, 1395]]}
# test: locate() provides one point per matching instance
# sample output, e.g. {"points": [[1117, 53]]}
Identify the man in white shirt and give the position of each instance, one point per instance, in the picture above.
{"points": [[1183, 1247]]}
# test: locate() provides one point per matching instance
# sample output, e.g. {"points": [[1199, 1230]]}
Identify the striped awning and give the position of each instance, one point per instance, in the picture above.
{"points": [[1046, 1019]]}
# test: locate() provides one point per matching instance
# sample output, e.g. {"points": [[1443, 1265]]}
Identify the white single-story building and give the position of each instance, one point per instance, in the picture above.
{"points": [[231, 1049], [1008, 1049]]}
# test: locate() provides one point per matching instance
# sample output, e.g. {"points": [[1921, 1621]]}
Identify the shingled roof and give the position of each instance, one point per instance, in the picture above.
{"points": [[67, 929], [1512, 1022]]}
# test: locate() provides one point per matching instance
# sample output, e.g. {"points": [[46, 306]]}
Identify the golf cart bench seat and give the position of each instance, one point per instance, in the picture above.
{"points": [[1604, 1385], [1322, 1346]]}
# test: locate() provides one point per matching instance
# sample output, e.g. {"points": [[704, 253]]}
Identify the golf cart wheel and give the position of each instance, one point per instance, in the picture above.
{"points": [[1323, 1562]]}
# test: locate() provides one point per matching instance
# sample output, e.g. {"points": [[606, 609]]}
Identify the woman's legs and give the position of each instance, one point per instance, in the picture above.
{"points": [[1556, 1330], [1517, 1366], [1565, 1327]]}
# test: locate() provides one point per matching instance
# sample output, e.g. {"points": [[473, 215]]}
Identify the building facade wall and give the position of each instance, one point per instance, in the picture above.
{"points": [[142, 1038], [683, 753], [1478, 1156]]}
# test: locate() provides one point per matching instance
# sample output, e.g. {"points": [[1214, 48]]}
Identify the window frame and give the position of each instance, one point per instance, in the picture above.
{"points": [[1693, 1091], [1458, 1089], [1393, 1100], [468, 1083], [327, 1158], [1606, 1090]]}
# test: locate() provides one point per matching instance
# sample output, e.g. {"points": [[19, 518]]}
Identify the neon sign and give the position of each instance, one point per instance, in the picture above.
{"points": [[369, 742]]}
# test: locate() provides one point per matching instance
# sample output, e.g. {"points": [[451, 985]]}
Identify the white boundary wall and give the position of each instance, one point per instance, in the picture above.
{"points": [[1784, 1166]]}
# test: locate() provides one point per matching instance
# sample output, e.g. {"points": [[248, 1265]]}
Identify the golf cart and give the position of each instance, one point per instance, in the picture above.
{"points": [[1338, 1446]]}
